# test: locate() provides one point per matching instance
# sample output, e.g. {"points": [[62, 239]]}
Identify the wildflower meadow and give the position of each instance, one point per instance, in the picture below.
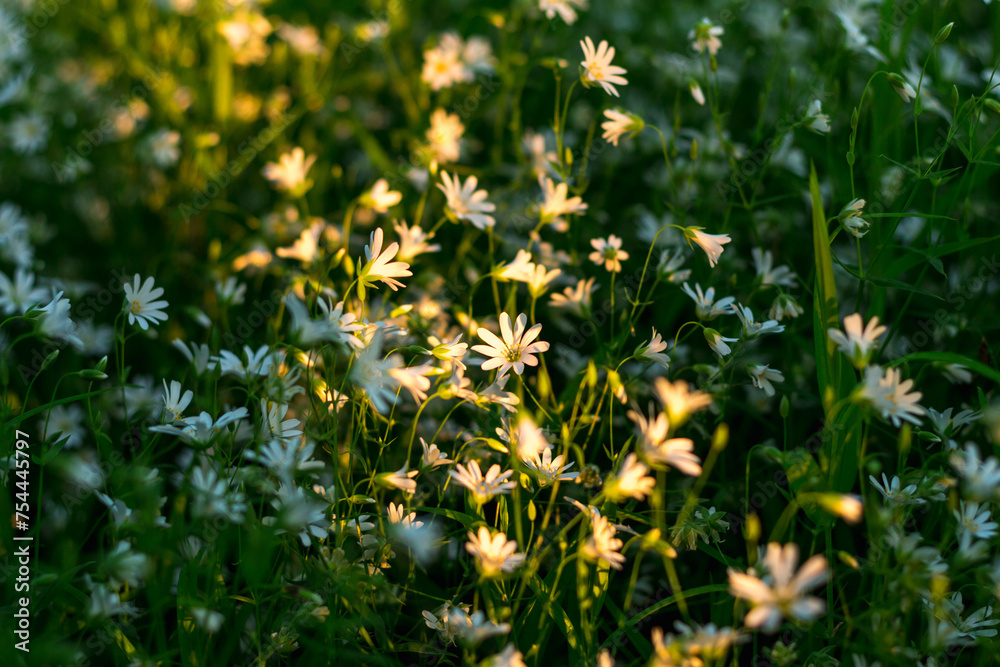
{"points": [[500, 334]]}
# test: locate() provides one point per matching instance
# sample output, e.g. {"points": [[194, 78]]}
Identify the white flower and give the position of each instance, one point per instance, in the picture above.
{"points": [[258, 362], [659, 449], [705, 35], [816, 120], [289, 174], [556, 203], [598, 67], [889, 396], [784, 306], [141, 304], [549, 470], [654, 351], [608, 252], [718, 342], [893, 494], [768, 274], [20, 294], [516, 350], [54, 320], [783, 591], [602, 543], [679, 401], [859, 342], [696, 92], [445, 132], [465, 202], [442, 64], [705, 305], [980, 479], [380, 198], [163, 145], [379, 266], [306, 246], [401, 479], [483, 487], [618, 123], [576, 299], [208, 620], [630, 482], [432, 456], [752, 328], [510, 656], [413, 241], [565, 8], [28, 132], [850, 218], [273, 422], [902, 87], [974, 520], [173, 401], [763, 376], [710, 243], [494, 554]]}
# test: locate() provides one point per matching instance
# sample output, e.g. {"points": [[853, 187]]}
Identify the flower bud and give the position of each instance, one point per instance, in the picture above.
{"points": [[943, 33]]}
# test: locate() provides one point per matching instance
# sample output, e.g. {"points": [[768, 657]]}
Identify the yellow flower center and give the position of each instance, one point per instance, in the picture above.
{"points": [[136, 306]]}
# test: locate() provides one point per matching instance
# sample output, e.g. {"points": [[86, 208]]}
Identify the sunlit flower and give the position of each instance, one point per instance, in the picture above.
{"points": [[710, 243], [565, 8], [444, 135], [556, 203], [859, 341], [782, 592], [413, 241], [619, 123], [597, 66], [141, 304], [550, 469], [289, 173], [630, 482], [379, 266], [659, 449], [608, 252], [889, 396], [653, 351], [442, 64], [696, 92], [679, 401], [576, 299], [483, 487], [516, 350], [380, 198], [432, 457], [465, 202], [494, 554], [602, 543]]}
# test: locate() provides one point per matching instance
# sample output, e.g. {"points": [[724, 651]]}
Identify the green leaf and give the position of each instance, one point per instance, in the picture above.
{"points": [[836, 379], [950, 358]]}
